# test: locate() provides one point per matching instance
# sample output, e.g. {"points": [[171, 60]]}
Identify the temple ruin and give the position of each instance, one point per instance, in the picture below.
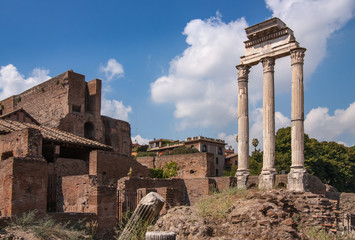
{"points": [[268, 41]]}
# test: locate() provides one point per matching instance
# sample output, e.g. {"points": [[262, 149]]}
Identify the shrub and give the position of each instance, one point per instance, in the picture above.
{"points": [[146, 154], [167, 171], [183, 150], [156, 172]]}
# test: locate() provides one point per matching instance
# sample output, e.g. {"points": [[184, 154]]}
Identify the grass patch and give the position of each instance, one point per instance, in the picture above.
{"points": [[219, 204], [138, 232], [318, 233], [47, 228]]}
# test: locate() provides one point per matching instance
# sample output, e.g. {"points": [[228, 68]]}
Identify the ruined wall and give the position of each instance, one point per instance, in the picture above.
{"points": [[110, 166], [24, 143], [196, 189], [46, 102], [223, 183], [117, 133], [149, 162], [347, 203], [196, 165], [23, 186], [61, 168], [79, 194], [69, 167], [6, 171]]}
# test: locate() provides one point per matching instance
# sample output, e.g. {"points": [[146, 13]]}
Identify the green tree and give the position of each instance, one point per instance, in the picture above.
{"points": [[256, 159], [256, 162], [331, 162], [255, 143]]}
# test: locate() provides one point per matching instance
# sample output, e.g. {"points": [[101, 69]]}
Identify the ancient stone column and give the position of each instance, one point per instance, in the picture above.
{"points": [[268, 172], [297, 172], [160, 236], [147, 210], [243, 127]]}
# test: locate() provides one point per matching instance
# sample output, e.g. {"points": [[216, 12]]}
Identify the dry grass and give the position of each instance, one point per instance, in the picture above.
{"points": [[219, 205], [45, 228]]}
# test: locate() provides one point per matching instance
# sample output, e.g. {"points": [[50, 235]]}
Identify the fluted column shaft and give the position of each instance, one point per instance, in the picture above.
{"points": [[297, 108], [243, 119], [268, 115]]}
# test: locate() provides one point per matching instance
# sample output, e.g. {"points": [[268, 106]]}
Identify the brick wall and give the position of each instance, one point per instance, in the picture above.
{"points": [[196, 165], [24, 143], [23, 186], [110, 166], [6, 171], [46, 102], [149, 162], [79, 194], [70, 167], [223, 183], [196, 189], [117, 133]]}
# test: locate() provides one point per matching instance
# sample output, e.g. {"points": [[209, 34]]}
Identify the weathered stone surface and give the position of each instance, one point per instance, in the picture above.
{"points": [[275, 214], [160, 236], [147, 210]]}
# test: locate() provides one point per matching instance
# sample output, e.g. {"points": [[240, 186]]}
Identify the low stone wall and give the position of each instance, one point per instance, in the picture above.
{"points": [[223, 183]]}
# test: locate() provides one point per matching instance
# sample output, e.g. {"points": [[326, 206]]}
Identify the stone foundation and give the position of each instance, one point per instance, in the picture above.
{"points": [[267, 179], [242, 178]]}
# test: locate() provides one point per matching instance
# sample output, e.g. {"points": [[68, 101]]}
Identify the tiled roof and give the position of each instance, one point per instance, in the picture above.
{"points": [[51, 134]]}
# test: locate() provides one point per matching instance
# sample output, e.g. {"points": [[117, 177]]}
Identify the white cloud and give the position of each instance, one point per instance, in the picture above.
{"points": [[140, 140], [202, 81], [230, 140], [112, 70], [321, 125], [256, 130], [115, 109], [12, 82]]}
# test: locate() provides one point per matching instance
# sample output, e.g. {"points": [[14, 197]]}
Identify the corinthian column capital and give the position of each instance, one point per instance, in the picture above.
{"points": [[297, 55], [243, 71], [268, 64]]}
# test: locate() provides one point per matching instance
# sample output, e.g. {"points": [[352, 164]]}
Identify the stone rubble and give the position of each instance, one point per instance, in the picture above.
{"points": [[275, 214]]}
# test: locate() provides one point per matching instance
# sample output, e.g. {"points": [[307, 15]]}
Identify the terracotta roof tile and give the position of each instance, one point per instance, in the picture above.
{"points": [[51, 134]]}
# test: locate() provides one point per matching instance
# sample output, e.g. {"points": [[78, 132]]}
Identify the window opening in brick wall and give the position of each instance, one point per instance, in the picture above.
{"points": [[76, 108], [89, 130], [220, 151]]}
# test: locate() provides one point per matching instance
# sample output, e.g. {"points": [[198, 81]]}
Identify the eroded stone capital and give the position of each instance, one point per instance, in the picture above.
{"points": [[268, 64], [243, 71], [297, 56]]}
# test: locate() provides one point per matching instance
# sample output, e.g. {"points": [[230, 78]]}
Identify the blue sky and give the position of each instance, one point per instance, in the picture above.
{"points": [[168, 66]]}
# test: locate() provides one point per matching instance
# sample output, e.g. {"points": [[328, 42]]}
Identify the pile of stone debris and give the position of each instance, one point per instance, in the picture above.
{"points": [[274, 214]]}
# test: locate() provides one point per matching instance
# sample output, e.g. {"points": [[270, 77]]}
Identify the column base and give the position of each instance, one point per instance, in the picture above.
{"points": [[297, 179], [267, 179], [242, 178]]}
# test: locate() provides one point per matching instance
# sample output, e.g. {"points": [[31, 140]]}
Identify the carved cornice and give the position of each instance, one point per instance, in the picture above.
{"points": [[297, 56], [243, 71], [268, 64]]}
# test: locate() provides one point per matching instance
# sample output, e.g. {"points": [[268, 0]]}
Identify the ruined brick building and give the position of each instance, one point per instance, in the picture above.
{"points": [[59, 155]]}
